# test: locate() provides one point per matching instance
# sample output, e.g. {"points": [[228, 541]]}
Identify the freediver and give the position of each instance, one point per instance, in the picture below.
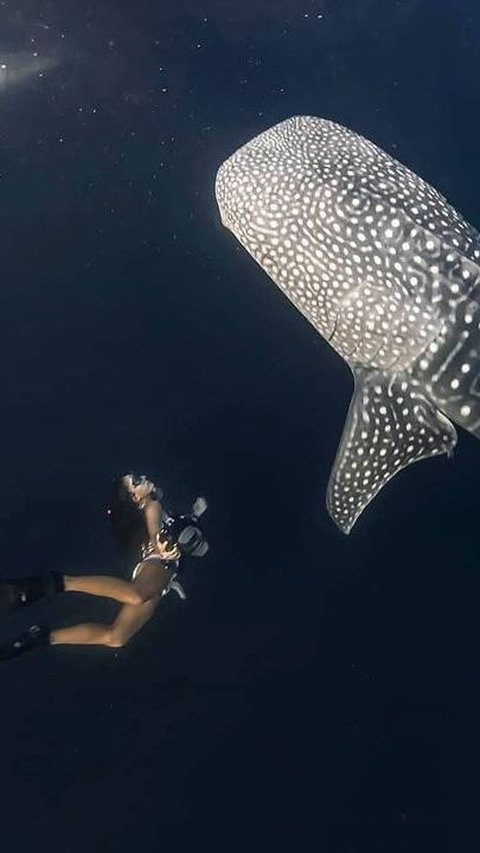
{"points": [[141, 525]]}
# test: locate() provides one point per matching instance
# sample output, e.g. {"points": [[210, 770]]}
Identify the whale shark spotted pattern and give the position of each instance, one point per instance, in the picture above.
{"points": [[386, 270]]}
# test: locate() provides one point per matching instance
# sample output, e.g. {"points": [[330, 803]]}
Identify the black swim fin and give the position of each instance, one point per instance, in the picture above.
{"points": [[20, 592], [35, 636]]}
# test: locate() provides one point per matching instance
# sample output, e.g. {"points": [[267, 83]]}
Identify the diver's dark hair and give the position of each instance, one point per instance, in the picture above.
{"points": [[126, 518]]}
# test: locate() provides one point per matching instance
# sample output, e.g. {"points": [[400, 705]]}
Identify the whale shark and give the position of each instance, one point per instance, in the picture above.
{"points": [[386, 270]]}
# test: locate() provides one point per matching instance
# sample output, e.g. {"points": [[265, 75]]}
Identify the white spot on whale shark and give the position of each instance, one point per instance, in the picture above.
{"points": [[388, 273]]}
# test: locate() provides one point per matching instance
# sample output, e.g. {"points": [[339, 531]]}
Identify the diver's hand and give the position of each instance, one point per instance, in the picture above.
{"points": [[167, 552]]}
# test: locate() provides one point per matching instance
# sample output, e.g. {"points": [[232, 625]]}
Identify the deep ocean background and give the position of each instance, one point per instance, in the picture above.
{"points": [[315, 692]]}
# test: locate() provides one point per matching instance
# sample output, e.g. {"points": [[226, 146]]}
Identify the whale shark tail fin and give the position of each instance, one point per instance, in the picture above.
{"points": [[390, 424]]}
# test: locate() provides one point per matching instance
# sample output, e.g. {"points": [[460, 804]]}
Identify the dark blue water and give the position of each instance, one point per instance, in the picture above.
{"points": [[315, 692]]}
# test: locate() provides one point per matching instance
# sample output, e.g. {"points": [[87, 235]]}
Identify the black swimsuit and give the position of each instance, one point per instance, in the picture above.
{"points": [[149, 553]]}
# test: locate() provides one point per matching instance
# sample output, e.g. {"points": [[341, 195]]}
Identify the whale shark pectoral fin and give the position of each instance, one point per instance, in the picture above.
{"points": [[389, 425]]}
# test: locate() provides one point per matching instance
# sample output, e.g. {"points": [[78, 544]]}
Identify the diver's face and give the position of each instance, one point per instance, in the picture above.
{"points": [[139, 487]]}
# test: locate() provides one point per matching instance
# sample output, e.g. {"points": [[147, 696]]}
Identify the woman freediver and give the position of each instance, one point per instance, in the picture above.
{"points": [[141, 523]]}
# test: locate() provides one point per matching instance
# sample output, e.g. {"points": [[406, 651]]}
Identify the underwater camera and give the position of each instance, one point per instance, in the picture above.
{"points": [[183, 531]]}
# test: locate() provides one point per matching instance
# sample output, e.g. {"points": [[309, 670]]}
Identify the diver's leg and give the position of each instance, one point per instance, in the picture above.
{"points": [[152, 577], [128, 622], [106, 586], [85, 634], [16, 593], [21, 592]]}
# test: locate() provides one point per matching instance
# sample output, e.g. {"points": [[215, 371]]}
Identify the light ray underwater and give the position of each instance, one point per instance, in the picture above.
{"points": [[385, 270]]}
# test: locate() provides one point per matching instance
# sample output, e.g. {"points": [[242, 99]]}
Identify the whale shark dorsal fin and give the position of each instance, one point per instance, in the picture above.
{"points": [[390, 424]]}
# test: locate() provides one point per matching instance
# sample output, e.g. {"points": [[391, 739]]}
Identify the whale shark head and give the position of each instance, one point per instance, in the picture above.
{"points": [[385, 269]]}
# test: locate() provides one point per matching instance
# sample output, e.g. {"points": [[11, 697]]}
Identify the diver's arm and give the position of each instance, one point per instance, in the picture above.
{"points": [[153, 517]]}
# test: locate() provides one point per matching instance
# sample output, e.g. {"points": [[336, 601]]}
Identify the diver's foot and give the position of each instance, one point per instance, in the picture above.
{"points": [[33, 637], [20, 592]]}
